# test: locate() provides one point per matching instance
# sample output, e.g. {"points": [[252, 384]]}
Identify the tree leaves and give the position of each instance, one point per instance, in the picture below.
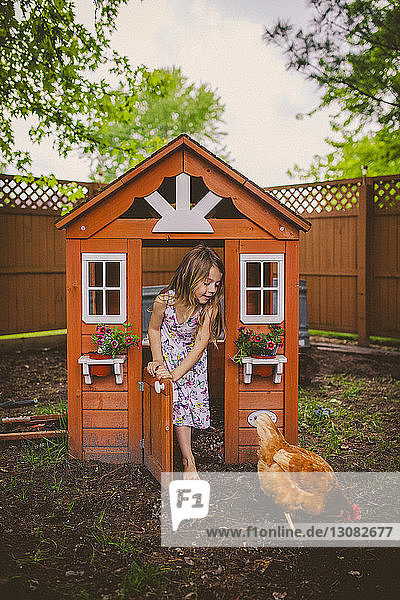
{"points": [[45, 56], [166, 106], [379, 152], [49, 72], [352, 51]]}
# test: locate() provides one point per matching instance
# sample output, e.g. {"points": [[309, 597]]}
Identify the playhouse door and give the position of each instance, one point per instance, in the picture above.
{"points": [[157, 425]]}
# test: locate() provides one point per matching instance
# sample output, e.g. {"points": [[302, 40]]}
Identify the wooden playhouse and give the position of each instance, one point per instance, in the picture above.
{"points": [[133, 234]]}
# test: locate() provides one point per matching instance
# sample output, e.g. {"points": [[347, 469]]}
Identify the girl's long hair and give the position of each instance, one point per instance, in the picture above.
{"points": [[193, 269]]}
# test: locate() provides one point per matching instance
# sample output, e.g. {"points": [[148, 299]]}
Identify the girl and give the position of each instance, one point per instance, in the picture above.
{"points": [[186, 316]]}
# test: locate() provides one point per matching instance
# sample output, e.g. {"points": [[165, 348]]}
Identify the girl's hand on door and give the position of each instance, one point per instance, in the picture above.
{"points": [[162, 373], [152, 367]]}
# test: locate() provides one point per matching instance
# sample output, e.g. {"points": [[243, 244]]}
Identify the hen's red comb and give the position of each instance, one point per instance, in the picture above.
{"points": [[356, 514]]}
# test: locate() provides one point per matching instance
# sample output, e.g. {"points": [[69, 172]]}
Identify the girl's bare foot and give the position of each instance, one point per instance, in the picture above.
{"points": [[189, 468]]}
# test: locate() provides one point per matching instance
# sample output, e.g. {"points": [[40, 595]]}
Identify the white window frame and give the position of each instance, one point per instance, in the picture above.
{"points": [[88, 257], [280, 289]]}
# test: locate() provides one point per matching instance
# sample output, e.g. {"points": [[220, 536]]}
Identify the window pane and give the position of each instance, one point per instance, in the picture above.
{"points": [[96, 274], [95, 302], [253, 302], [112, 274], [270, 302], [253, 274], [112, 302], [270, 274]]}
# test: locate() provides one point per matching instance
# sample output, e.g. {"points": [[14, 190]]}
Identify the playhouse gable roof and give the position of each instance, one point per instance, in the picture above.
{"points": [[183, 154]]}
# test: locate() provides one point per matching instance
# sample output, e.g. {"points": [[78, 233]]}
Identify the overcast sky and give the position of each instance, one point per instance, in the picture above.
{"points": [[219, 42]]}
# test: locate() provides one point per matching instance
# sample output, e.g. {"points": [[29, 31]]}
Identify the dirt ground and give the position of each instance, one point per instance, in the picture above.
{"points": [[91, 531]]}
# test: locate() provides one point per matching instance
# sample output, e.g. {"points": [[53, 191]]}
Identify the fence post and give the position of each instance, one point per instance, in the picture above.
{"points": [[364, 222]]}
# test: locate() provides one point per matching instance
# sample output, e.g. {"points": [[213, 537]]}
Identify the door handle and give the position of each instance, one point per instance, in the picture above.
{"points": [[159, 386]]}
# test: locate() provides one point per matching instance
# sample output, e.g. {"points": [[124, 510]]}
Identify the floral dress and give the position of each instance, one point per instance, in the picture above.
{"points": [[191, 403]]}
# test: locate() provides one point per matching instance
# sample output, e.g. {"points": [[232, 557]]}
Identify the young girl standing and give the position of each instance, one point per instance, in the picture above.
{"points": [[186, 316]]}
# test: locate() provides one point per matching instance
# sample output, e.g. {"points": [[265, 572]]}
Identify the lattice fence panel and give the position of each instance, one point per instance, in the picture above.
{"points": [[30, 195], [327, 196], [387, 193], [307, 198]]}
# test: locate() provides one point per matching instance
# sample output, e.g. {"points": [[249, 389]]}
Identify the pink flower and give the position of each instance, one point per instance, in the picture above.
{"points": [[114, 343], [129, 340], [257, 338], [271, 345], [103, 329]]}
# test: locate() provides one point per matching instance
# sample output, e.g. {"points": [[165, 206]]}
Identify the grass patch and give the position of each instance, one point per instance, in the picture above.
{"points": [[348, 386], [102, 541], [333, 334], [139, 577], [350, 434], [45, 551], [69, 591], [33, 334], [57, 484], [99, 538], [45, 452], [384, 341], [58, 407]]}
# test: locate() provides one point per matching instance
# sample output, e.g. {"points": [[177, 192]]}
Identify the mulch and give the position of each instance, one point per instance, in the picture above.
{"points": [[62, 525]]}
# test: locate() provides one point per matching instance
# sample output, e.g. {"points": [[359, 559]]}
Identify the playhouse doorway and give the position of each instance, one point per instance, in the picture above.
{"points": [[159, 261]]}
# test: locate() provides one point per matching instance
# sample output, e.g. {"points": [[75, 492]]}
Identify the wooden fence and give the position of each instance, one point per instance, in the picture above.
{"points": [[32, 256], [349, 259]]}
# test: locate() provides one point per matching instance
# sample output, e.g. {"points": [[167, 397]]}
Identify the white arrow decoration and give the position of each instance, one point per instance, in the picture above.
{"points": [[183, 219]]}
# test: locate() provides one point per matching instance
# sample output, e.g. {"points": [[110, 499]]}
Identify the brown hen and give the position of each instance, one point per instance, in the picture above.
{"points": [[285, 473]]}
